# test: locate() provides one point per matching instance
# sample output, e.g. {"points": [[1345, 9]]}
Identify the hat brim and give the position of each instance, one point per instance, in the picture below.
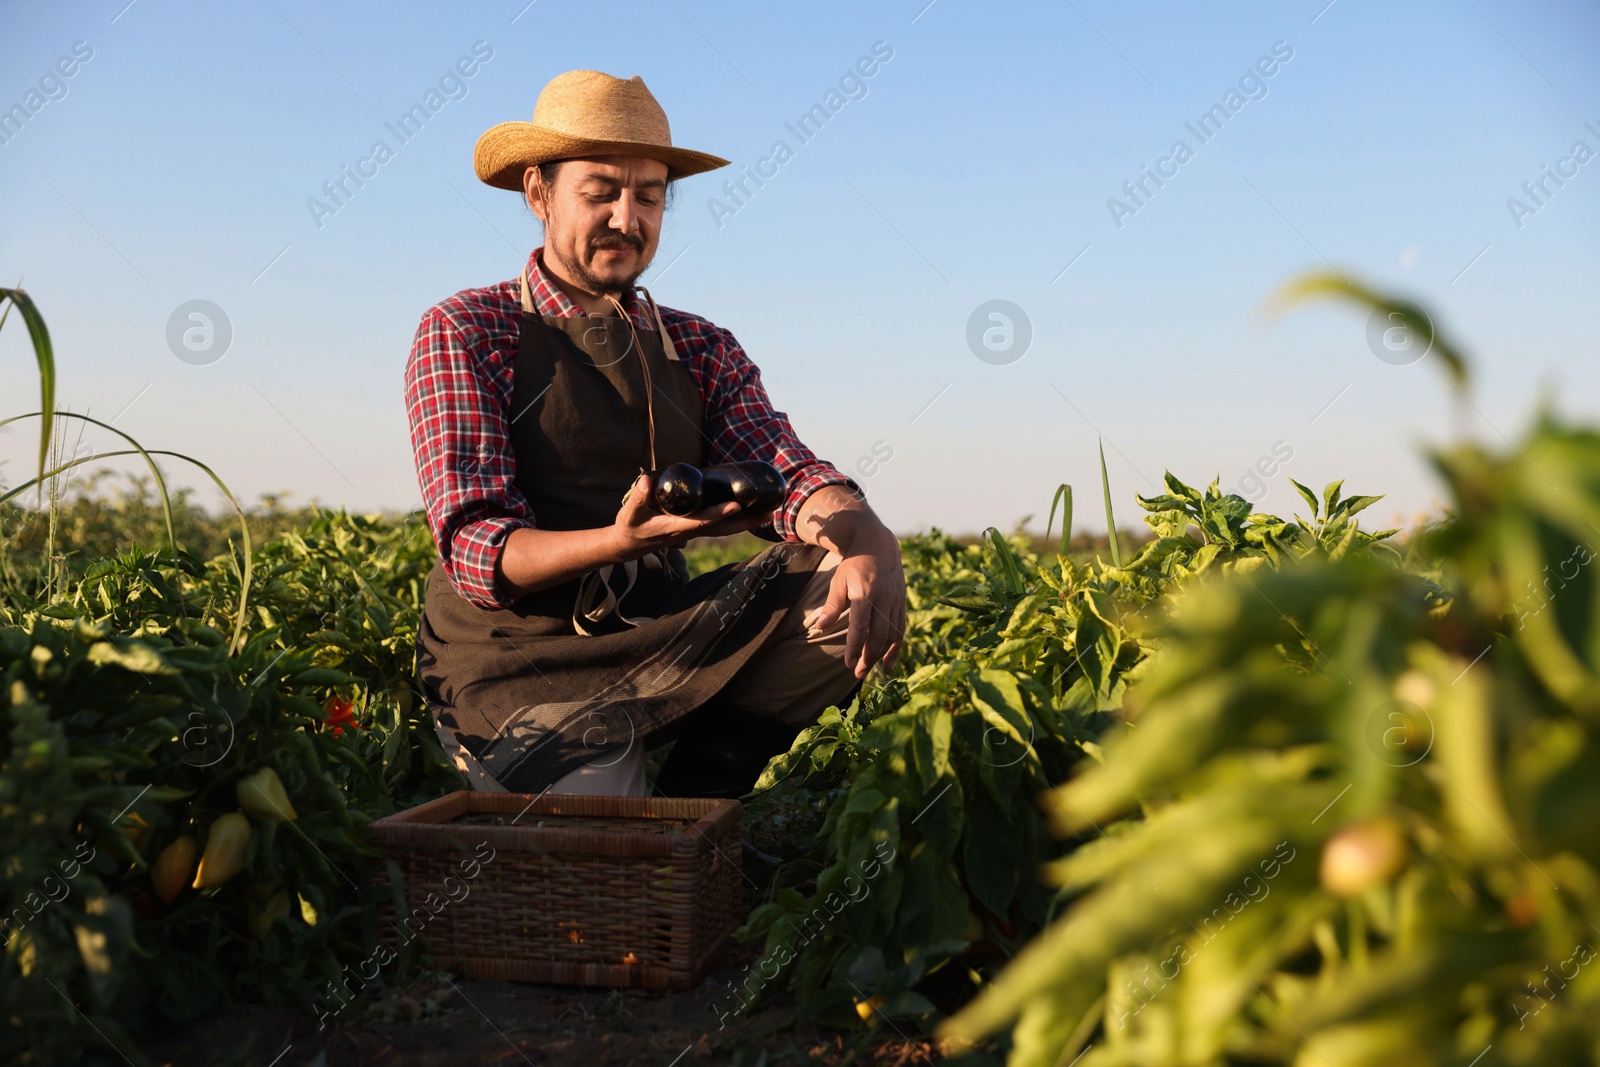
{"points": [[505, 152]]}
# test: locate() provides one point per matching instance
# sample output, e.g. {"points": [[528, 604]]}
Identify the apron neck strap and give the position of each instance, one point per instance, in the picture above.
{"points": [[666, 346], [527, 298], [661, 328]]}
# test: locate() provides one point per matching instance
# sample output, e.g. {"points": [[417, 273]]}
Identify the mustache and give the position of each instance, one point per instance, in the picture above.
{"points": [[618, 240]]}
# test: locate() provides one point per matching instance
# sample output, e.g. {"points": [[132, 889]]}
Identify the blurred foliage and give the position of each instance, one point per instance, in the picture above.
{"points": [[1381, 852]]}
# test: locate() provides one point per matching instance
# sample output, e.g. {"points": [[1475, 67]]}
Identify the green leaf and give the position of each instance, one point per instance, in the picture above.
{"points": [[933, 906], [1177, 488], [1168, 502], [1330, 497], [890, 733], [942, 817], [999, 700], [993, 855], [319, 676], [130, 655], [1350, 505], [969, 603], [825, 731], [1168, 524], [392, 752], [1309, 497], [1097, 642], [789, 899], [931, 745], [1153, 553], [863, 801]]}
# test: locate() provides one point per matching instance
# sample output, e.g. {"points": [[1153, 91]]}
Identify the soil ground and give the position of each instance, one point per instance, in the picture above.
{"points": [[445, 1020]]}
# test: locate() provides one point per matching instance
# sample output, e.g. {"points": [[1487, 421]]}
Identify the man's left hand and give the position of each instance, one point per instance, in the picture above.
{"points": [[869, 580]]}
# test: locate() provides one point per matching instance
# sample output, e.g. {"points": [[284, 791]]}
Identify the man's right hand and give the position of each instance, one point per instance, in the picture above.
{"points": [[641, 529]]}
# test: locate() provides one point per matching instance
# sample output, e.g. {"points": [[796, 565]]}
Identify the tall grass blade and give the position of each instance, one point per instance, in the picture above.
{"points": [[1063, 497], [45, 355], [1111, 519]]}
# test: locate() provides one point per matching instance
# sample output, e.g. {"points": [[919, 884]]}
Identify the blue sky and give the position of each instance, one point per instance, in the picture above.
{"points": [[176, 163]]}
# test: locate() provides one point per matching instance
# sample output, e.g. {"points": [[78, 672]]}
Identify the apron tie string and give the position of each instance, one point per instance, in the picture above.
{"points": [[596, 599], [649, 386]]}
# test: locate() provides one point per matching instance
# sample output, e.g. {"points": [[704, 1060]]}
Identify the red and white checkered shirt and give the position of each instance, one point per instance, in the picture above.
{"points": [[458, 396]]}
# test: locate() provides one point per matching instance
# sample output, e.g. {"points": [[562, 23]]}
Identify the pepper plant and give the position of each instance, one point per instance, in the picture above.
{"points": [[1016, 668]]}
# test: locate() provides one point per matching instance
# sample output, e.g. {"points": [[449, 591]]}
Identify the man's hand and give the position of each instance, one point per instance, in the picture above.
{"points": [[640, 529], [869, 580]]}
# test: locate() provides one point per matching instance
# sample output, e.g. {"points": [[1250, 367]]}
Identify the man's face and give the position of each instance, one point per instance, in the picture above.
{"points": [[602, 218]]}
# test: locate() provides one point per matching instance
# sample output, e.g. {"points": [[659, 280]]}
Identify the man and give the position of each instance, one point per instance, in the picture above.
{"points": [[561, 633]]}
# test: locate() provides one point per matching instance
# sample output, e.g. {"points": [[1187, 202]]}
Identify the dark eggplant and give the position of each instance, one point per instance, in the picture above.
{"points": [[676, 489], [681, 489], [755, 485]]}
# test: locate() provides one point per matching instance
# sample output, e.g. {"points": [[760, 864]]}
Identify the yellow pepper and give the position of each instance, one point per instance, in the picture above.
{"points": [[1359, 857], [262, 795], [134, 828], [224, 855], [171, 868]]}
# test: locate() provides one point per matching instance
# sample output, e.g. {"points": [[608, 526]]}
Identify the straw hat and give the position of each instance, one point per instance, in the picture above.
{"points": [[585, 113]]}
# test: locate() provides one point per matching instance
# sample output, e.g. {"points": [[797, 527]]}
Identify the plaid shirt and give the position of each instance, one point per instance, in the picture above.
{"points": [[458, 396]]}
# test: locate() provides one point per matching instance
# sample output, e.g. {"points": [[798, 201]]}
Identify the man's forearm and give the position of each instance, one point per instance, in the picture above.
{"points": [[840, 521], [534, 559]]}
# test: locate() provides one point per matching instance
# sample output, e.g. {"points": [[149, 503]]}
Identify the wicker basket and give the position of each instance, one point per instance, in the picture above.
{"points": [[608, 891]]}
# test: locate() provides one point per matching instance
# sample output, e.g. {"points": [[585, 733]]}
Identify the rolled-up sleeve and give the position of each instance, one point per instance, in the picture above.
{"points": [[742, 424], [465, 466]]}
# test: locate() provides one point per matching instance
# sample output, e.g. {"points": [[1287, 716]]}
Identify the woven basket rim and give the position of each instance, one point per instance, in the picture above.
{"points": [[429, 824]]}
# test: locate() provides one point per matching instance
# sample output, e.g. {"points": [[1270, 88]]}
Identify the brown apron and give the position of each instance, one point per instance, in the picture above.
{"points": [[569, 673]]}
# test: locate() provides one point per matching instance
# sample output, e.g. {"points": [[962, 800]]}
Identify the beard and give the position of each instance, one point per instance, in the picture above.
{"points": [[581, 273]]}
